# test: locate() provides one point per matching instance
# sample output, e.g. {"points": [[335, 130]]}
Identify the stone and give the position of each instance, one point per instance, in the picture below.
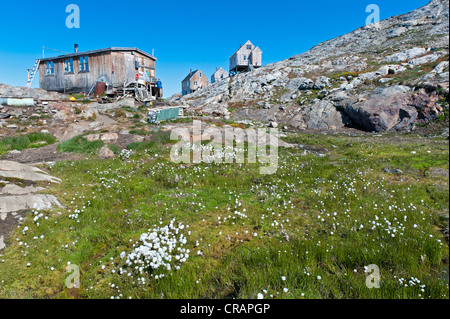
{"points": [[92, 137], [105, 152], [425, 59], [29, 201], [405, 55], [396, 32], [321, 83], [384, 109], [307, 84], [25, 172], [109, 137]]}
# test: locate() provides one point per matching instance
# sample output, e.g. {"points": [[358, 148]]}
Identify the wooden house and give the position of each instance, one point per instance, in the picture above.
{"points": [[80, 71], [219, 75], [194, 81], [246, 58]]}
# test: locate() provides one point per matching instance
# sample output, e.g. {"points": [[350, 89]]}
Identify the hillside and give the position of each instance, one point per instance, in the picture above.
{"points": [[379, 77], [94, 206]]}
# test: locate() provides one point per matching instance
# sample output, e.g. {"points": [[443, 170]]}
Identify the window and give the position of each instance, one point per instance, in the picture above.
{"points": [[84, 63], [245, 57], [49, 68], [195, 82], [200, 74], [68, 65], [249, 46]]}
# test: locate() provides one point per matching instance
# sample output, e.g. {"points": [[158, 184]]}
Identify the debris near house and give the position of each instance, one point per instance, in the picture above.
{"points": [[155, 116], [108, 74]]}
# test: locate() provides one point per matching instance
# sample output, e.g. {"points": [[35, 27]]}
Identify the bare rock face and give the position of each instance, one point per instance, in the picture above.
{"points": [[25, 172], [345, 81], [426, 105], [382, 110], [19, 194]]}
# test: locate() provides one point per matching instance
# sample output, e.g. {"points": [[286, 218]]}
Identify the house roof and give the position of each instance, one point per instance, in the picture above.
{"points": [[243, 47], [191, 74], [116, 49], [220, 69]]}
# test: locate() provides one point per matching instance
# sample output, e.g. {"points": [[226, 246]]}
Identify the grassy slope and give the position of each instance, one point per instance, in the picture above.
{"points": [[314, 217]]}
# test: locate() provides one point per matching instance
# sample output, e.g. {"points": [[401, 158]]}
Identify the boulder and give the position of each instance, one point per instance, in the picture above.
{"points": [[307, 84], [109, 137], [105, 152], [321, 83], [425, 59], [384, 109], [405, 55]]}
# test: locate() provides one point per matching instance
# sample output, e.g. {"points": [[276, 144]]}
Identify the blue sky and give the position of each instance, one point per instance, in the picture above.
{"points": [[184, 34]]}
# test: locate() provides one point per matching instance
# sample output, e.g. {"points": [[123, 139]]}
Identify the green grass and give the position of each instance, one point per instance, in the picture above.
{"points": [[326, 216], [156, 142], [80, 145], [114, 148], [21, 142]]}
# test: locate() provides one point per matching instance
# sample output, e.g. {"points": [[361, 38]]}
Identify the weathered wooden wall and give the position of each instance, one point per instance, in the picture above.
{"points": [[99, 67]]}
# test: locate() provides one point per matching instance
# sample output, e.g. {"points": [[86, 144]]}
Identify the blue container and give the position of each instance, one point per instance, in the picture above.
{"points": [[159, 84]]}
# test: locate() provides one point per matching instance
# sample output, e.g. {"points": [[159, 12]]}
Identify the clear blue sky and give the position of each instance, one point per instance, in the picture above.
{"points": [[184, 34]]}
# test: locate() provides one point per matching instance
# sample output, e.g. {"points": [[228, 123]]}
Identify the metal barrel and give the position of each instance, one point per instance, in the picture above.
{"points": [[100, 88]]}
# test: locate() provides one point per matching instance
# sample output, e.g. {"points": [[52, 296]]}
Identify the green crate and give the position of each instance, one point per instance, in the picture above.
{"points": [[157, 116]]}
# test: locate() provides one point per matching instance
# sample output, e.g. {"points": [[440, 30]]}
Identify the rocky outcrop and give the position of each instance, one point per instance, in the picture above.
{"points": [[381, 110], [19, 193]]}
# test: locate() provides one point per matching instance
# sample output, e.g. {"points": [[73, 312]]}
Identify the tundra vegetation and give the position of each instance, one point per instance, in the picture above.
{"points": [[140, 226]]}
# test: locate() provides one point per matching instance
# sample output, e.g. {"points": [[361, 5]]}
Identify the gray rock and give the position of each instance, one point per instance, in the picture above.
{"points": [[28, 201], [321, 83], [307, 84], [396, 32], [425, 59], [405, 55], [294, 84], [382, 110]]}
